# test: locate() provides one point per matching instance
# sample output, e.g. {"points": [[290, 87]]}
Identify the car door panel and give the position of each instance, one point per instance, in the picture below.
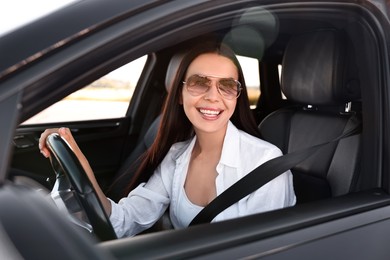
{"points": [[331, 240], [102, 141]]}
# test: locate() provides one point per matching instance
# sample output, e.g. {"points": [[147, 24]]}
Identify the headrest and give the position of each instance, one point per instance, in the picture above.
{"points": [[173, 68], [318, 69]]}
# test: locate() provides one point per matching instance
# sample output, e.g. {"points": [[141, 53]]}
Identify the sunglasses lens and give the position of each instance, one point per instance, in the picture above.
{"points": [[227, 87], [197, 84]]}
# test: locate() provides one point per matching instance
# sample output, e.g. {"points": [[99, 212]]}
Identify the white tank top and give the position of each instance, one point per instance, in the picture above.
{"points": [[186, 210]]}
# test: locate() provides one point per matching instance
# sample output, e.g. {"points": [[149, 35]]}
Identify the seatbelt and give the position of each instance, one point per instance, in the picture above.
{"points": [[263, 174]]}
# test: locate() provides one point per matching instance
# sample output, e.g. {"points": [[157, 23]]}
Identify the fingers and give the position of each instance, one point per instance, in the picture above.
{"points": [[42, 141], [63, 132]]}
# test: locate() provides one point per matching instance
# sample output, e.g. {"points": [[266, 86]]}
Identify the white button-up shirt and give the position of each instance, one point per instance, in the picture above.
{"points": [[241, 153]]}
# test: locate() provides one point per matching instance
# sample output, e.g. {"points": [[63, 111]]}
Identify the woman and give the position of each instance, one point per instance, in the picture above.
{"points": [[207, 141]]}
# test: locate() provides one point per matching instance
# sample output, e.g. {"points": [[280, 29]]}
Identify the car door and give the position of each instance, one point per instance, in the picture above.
{"points": [[319, 229]]}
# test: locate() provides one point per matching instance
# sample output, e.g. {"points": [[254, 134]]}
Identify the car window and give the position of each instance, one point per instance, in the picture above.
{"points": [[280, 80], [250, 67], [107, 97]]}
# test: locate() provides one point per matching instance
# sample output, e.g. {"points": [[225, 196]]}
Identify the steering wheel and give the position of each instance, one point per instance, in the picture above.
{"points": [[74, 191]]}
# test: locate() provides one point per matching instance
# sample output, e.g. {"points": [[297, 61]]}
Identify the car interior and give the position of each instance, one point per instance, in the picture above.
{"points": [[322, 86], [318, 77]]}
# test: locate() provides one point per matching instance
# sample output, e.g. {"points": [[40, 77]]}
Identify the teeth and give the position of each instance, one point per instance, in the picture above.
{"points": [[210, 112]]}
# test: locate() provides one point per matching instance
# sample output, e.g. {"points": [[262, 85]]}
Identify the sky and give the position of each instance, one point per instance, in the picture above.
{"points": [[15, 13]]}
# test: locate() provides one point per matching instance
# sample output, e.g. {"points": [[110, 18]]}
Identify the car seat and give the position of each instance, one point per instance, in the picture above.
{"points": [[320, 81], [128, 168]]}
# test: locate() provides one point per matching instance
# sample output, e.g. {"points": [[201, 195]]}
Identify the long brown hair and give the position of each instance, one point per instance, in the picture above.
{"points": [[175, 126]]}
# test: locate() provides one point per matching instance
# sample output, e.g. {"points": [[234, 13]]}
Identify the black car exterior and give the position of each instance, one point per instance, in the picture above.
{"points": [[84, 41]]}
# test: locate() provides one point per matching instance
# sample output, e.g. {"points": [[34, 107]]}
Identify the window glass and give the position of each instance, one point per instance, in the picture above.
{"points": [[250, 68], [107, 97], [280, 80]]}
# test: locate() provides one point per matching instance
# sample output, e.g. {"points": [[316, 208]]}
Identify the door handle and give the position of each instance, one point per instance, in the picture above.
{"points": [[22, 142]]}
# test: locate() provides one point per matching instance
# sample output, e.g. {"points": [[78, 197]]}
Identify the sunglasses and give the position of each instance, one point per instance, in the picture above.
{"points": [[228, 88]]}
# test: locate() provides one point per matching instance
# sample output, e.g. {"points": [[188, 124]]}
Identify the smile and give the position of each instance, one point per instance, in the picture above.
{"points": [[210, 112]]}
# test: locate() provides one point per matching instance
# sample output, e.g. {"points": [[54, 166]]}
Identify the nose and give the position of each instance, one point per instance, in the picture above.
{"points": [[213, 93]]}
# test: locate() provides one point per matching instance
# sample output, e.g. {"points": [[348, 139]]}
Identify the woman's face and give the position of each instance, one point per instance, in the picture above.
{"points": [[209, 112]]}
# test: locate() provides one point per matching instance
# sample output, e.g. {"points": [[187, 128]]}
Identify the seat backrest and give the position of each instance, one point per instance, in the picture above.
{"points": [[319, 78], [128, 168]]}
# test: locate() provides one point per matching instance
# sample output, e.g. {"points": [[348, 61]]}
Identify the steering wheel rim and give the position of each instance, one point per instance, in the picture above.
{"points": [[64, 161]]}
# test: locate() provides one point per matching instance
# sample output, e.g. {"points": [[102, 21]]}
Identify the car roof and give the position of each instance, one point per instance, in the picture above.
{"points": [[82, 17], [49, 32]]}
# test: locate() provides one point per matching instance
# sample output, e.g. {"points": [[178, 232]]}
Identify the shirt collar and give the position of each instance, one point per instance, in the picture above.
{"points": [[230, 148], [185, 150]]}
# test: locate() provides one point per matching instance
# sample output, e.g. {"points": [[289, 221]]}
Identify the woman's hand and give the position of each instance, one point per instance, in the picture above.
{"points": [[65, 133]]}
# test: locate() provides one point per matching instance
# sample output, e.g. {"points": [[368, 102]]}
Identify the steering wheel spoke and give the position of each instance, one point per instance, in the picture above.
{"points": [[73, 188]]}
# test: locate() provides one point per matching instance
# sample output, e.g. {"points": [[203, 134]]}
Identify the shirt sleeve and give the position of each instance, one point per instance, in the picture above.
{"points": [[141, 208]]}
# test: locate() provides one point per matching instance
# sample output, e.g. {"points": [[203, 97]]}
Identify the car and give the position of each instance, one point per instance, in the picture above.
{"points": [[318, 81]]}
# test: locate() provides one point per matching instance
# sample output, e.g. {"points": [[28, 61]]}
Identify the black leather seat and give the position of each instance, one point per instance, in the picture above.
{"points": [[319, 78]]}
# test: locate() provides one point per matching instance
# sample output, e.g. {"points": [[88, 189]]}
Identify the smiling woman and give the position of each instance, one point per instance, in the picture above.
{"points": [[185, 168]]}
